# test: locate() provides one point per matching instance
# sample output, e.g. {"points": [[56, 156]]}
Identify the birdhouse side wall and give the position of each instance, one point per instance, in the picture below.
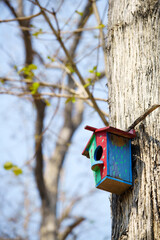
{"points": [[92, 148], [101, 140], [119, 164]]}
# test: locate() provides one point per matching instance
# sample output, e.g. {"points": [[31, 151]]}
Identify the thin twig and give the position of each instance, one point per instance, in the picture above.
{"points": [[81, 30], [70, 228], [74, 66], [42, 84], [143, 116], [57, 95], [96, 12], [20, 18]]}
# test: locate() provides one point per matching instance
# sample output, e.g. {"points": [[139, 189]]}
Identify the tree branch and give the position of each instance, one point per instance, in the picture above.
{"points": [[40, 107], [95, 10], [143, 116], [39, 96], [70, 60], [11, 8], [20, 18], [86, 14], [70, 228]]}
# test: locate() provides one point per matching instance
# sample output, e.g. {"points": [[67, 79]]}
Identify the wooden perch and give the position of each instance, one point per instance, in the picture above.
{"points": [[143, 116]]}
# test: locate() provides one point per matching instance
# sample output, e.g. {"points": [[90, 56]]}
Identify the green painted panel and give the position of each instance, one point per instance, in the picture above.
{"points": [[97, 176], [92, 148]]}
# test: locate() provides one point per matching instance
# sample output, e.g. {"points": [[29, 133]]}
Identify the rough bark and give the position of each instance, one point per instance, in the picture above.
{"points": [[133, 48]]}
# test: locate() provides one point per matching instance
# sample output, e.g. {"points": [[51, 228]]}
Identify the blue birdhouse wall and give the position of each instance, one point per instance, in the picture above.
{"points": [[109, 150]]}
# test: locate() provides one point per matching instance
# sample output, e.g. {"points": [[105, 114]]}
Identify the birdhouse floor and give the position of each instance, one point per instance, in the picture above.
{"points": [[113, 185]]}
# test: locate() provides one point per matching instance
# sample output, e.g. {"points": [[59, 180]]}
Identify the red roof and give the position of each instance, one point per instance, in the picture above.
{"points": [[131, 134], [116, 131]]}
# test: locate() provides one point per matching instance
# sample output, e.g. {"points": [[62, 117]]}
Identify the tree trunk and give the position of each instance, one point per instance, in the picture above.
{"points": [[133, 48]]}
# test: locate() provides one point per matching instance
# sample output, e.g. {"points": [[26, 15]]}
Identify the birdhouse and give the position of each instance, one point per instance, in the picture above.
{"points": [[109, 150]]}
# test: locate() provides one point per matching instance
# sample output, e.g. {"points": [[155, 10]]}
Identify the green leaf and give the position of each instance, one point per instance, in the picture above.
{"points": [[80, 13], [34, 87], [94, 68], [86, 85], [36, 34], [8, 165], [15, 67], [17, 171], [89, 82], [32, 67], [70, 99], [50, 58], [98, 74], [70, 68], [47, 103], [91, 71], [100, 26], [28, 70], [73, 100], [2, 81]]}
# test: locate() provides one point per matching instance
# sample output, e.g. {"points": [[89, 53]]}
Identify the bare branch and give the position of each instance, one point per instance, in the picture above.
{"points": [[78, 30], [95, 10], [42, 84], [86, 14], [70, 228], [67, 211], [40, 107], [20, 18], [74, 66], [143, 116], [57, 95], [7, 2]]}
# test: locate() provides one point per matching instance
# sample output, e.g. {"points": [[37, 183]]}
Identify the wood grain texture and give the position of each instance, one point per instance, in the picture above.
{"points": [[112, 185], [133, 49]]}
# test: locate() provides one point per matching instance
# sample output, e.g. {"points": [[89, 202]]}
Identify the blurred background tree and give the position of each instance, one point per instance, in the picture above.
{"points": [[53, 59]]}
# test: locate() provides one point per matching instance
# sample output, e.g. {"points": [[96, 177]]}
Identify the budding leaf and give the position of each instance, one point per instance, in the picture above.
{"points": [[100, 26], [17, 171], [94, 68], [86, 85], [73, 100], [89, 82], [50, 58], [32, 67], [70, 68], [2, 81], [98, 74], [47, 103], [8, 165], [34, 87], [36, 34], [80, 13], [70, 99], [28, 70], [15, 67]]}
